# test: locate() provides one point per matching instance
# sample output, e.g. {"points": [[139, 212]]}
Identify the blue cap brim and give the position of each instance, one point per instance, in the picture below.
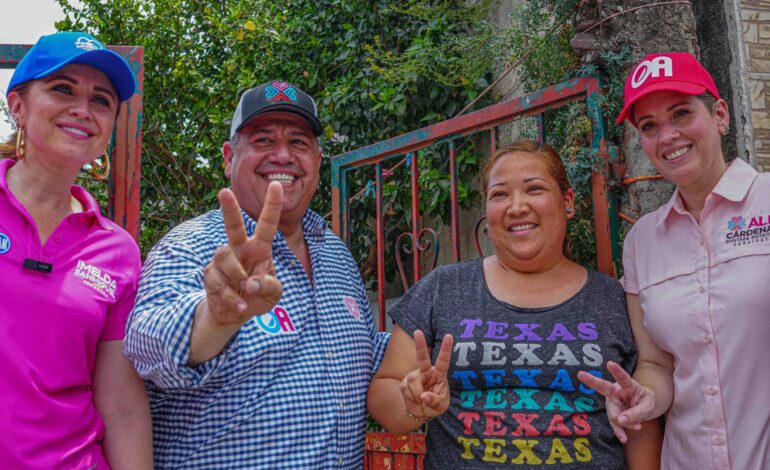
{"points": [[108, 62]]}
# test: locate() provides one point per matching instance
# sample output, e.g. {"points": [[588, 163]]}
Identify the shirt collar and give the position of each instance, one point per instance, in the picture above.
{"points": [[313, 225], [90, 207], [733, 186]]}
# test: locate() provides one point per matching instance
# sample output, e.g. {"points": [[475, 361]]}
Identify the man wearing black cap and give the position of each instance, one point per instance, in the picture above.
{"points": [[251, 325]]}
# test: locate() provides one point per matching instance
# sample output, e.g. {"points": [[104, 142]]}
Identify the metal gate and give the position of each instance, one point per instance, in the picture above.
{"points": [[125, 148], [605, 210]]}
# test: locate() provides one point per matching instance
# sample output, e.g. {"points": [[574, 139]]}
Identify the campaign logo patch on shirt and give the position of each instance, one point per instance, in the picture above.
{"points": [[747, 230], [352, 306], [5, 244], [95, 278], [276, 321]]}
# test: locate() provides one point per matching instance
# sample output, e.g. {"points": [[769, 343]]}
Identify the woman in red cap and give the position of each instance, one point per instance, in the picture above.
{"points": [[696, 279], [70, 398]]}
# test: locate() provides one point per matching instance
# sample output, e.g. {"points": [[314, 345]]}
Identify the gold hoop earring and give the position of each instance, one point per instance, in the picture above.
{"points": [[21, 145], [101, 171]]}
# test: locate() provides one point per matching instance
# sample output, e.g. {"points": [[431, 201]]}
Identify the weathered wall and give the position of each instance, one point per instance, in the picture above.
{"points": [[754, 18]]}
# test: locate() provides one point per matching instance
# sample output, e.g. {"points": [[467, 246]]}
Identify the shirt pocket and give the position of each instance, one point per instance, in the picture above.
{"points": [[270, 337]]}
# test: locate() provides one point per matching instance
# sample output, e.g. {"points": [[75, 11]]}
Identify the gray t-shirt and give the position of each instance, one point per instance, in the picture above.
{"points": [[516, 400]]}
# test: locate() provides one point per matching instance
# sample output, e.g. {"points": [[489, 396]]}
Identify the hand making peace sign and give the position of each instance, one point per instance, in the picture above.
{"points": [[628, 403], [426, 389], [240, 281]]}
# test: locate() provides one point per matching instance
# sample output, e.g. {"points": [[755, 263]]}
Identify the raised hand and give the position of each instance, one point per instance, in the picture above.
{"points": [[426, 389], [628, 402], [240, 281]]}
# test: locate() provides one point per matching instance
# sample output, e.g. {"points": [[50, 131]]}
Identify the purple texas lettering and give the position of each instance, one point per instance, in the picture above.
{"points": [[496, 330], [527, 332], [469, 324]]}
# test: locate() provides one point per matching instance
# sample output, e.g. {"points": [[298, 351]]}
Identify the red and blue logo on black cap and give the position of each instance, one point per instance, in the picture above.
{"points": [[280, 91]]}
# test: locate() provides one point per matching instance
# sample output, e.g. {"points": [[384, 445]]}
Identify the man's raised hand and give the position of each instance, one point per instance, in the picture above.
{"points": [[240, 281], [426, 389]]}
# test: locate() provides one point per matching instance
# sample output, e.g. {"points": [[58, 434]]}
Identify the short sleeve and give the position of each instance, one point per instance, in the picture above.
{"points": [[118, 313], [414, 311]]}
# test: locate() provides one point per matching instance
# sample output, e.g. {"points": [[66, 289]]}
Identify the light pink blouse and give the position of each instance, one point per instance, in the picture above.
{"points": [[705, 292]]}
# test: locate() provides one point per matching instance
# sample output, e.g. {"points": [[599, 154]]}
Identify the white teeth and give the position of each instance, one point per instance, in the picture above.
{"points": [[677, 154], [282, 178], [518, 228], [76, 131]]}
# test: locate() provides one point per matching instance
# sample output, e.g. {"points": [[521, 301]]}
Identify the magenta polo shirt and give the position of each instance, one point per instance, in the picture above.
{"points": [[705, 292], [50, 325]]}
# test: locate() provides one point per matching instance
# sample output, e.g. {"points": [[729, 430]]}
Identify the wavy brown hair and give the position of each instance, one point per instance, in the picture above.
{"points": [[545, 152]]}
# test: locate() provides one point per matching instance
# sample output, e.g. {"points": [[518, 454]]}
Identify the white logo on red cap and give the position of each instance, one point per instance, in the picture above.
{"points": [[87, 44], [652, 68]]}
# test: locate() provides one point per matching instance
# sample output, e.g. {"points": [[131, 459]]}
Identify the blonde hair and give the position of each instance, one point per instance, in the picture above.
{"points": [[8, 148]]}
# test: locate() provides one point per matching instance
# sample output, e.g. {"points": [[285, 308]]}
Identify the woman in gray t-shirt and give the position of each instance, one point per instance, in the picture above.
{"points": [[508, 334]]}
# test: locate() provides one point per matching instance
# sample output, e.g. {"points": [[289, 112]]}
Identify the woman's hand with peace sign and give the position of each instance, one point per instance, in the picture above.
{"points": [[426, 390], [408, 389]]}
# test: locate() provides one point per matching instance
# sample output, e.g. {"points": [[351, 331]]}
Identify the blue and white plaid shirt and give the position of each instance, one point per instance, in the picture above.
{"points": [[289, 390]]}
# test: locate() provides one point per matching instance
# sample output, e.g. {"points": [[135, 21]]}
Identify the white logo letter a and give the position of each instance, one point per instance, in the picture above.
{"points": [[652, 68]]}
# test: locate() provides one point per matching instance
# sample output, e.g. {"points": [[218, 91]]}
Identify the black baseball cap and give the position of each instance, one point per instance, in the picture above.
{"points": [[273, 97]]}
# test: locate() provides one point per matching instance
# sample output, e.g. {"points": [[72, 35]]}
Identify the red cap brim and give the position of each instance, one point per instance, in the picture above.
{"points": [[682, 87]]}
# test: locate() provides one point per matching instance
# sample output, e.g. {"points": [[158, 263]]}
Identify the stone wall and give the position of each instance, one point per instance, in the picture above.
{"points": [[755, 19]]}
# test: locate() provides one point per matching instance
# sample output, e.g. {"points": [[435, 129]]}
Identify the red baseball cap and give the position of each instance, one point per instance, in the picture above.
{"points": [[670, 71]]}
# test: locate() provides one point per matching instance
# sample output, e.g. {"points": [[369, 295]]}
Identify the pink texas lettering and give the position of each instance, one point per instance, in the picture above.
{"points": [[283, 319]]}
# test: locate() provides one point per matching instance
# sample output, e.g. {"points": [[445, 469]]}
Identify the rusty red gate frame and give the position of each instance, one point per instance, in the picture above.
{"points": [[126, 146], [534, 104]]}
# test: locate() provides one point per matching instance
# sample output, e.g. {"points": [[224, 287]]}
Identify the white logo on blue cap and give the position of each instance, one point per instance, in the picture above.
{"points": [[87, 44], [5, 243]]}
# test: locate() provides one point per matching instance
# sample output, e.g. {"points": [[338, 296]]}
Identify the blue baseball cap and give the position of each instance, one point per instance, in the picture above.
{"points": [[54, 51]]}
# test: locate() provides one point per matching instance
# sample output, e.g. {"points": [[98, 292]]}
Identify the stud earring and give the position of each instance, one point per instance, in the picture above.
{"points": [[569, 210]]}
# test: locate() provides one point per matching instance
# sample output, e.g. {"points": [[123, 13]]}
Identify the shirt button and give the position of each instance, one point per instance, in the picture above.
{"points": [[330, 355], [708, 339], [718, 440], [712, 390], [700, 241], [341, 461], [341, 407], [700, 289], [57, 238]]}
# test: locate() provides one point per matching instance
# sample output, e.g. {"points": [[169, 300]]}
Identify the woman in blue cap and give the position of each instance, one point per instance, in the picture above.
{"points": [[70, 398]]}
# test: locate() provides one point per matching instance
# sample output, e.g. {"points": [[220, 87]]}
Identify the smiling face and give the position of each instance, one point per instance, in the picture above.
{"points": [[681, 137], [526, 211], [67, 117], [274, 147]]}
